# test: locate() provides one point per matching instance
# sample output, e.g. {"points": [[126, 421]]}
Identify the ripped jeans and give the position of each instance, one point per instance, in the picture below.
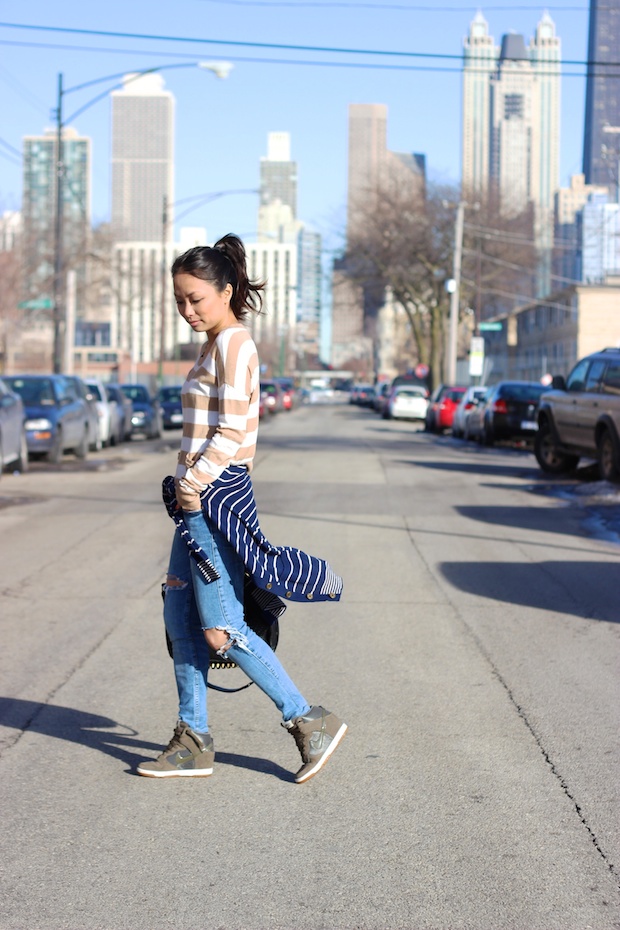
{"points": [[195, 605]]}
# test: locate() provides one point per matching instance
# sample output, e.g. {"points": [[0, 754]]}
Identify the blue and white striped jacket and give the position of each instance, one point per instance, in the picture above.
{"points": [[228, 504]]}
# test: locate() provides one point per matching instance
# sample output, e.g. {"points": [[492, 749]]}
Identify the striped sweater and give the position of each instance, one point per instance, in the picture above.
{"points": [[220, 401]]}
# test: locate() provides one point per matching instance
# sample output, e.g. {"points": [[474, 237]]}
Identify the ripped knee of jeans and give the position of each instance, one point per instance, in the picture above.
{"points": [[223, 638], [173, 583]]}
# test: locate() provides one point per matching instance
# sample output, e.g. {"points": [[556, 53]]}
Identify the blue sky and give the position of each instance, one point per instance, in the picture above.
{"points": [[222, 126]]}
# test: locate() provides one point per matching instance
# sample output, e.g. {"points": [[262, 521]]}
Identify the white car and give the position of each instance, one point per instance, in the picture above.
{"points": [[110, 430], [470, 398], [407, 402]]}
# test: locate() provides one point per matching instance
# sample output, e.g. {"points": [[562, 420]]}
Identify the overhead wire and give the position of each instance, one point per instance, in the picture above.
{"points": [[279, 46]]}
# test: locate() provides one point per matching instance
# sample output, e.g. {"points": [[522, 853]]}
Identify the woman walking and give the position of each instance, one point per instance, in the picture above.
{"points": [[217, 537]]}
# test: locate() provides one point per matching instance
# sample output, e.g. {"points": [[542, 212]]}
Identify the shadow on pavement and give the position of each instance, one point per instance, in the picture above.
{"points": [[544, 585], [93, 730], [537, 519]]}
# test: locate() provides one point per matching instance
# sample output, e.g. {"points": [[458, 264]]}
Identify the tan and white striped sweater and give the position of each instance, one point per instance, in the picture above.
{"points": [[220, 400]]}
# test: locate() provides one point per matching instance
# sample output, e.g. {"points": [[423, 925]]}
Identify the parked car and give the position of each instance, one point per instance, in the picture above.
{"points": [[474, 421], [508, 411], [407, 402], [108, 418], [124, 408], [272, 395], [13, 439], [362, 394], [95, 440], [441, 407], [57, 418], [169, 399], [581, 417], [146, 416], [380, 399], [466, 404], [290, 394]]}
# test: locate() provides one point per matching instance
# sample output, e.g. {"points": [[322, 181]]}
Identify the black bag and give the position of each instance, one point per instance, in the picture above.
{"points": [[264, 623]]}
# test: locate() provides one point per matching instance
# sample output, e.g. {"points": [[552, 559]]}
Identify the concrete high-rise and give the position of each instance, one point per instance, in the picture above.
{"points": [[39, 207], [601, 142], [511, 126], [278, 174], [367, 154], [142, 159]]}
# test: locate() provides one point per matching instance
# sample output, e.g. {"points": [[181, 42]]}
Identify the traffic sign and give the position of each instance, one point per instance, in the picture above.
{"points": [[43, 303], [490, 327]]}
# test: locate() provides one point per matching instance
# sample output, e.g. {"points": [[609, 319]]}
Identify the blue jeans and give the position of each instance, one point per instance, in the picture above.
{"points": [[195, 605]]}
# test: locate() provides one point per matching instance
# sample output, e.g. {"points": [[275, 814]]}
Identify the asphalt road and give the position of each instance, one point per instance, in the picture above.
{"points": [[474, 656]]}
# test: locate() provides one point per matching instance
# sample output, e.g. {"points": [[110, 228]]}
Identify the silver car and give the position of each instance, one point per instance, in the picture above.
{"points": [[13, 439]]}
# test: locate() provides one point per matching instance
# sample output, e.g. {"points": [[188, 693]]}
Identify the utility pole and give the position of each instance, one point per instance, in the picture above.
{"points": [[455, 288], [58, 289], [162, 284]]}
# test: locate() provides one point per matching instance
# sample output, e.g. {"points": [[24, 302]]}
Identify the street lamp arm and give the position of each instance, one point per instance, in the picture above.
{"points": [[201, 199], [220, 69]]}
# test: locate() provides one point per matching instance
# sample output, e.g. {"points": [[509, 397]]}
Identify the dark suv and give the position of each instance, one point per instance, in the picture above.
{"points": [[581, 416]]}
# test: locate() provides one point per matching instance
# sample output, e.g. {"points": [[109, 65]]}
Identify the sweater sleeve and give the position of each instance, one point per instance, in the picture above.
{"points": [[235, 359]]}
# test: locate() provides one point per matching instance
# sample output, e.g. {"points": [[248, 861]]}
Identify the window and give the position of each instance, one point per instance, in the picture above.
{"points": [[577, 377], [611, 380], [594, 376]]}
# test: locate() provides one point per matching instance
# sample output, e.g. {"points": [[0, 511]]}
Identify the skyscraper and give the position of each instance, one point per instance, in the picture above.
{"points": [[142, 159], [39, 206], [511, 126], [278, 174], [601, 143], [480, 61], [367, 153]]}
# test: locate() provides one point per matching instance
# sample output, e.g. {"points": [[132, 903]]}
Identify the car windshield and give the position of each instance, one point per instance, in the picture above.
{"points": [[136, 392], [454, 396], [171, 394], [33, 390], [409, 392], [527, 392]]}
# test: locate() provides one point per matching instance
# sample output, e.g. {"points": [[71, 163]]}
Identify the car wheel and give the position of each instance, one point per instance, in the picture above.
{"points": [[488, 437], [81, 451], [55, 453], [608, 463], [22, 460], [548, 456], [97, 445]]}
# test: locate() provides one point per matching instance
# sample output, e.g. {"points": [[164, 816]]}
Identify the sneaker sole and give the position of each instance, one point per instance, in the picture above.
{"points": [[319, 765], [189, 773]]}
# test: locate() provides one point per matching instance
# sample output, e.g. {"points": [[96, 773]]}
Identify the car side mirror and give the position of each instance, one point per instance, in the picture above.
{"points": [[558, 383]]}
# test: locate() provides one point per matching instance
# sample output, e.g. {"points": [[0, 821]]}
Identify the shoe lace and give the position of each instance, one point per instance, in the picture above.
{"points": [[301, 741], [175, 742]]}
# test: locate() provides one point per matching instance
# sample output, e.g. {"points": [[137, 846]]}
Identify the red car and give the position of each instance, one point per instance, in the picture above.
{"points": [[442, 407]]}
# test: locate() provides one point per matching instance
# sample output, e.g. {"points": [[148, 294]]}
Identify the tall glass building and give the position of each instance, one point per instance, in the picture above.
{"points": [[601, 142], [39, 207]]}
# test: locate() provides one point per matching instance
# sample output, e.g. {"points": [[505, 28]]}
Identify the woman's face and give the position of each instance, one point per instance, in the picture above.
{"points": [[206, 309]]}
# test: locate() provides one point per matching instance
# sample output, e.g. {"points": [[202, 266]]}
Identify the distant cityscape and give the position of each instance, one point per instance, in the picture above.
{"points": [[97, 301]]}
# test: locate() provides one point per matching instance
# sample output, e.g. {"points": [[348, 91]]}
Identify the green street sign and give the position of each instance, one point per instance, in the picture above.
{"points": [[43, 303], [489, 327]]}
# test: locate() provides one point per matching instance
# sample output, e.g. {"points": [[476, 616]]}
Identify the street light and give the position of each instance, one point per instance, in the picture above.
{"points": [[221, 69]]}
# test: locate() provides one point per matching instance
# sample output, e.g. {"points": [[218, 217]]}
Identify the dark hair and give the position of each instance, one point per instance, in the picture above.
{"points": [[222, 264]]}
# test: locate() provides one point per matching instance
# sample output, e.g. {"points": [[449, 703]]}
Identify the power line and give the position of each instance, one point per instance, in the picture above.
{"points": [[276, 45], [369, 66], [407, 8]]}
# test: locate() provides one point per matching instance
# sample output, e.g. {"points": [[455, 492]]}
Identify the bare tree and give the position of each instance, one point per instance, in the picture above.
{"points": [[404, 241]]}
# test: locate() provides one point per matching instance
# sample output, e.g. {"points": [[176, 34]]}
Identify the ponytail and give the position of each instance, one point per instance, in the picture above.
{"points": [[222, 264]]}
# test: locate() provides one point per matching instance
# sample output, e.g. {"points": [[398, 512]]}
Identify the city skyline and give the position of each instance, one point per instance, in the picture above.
{"points": [[424, 108]]}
